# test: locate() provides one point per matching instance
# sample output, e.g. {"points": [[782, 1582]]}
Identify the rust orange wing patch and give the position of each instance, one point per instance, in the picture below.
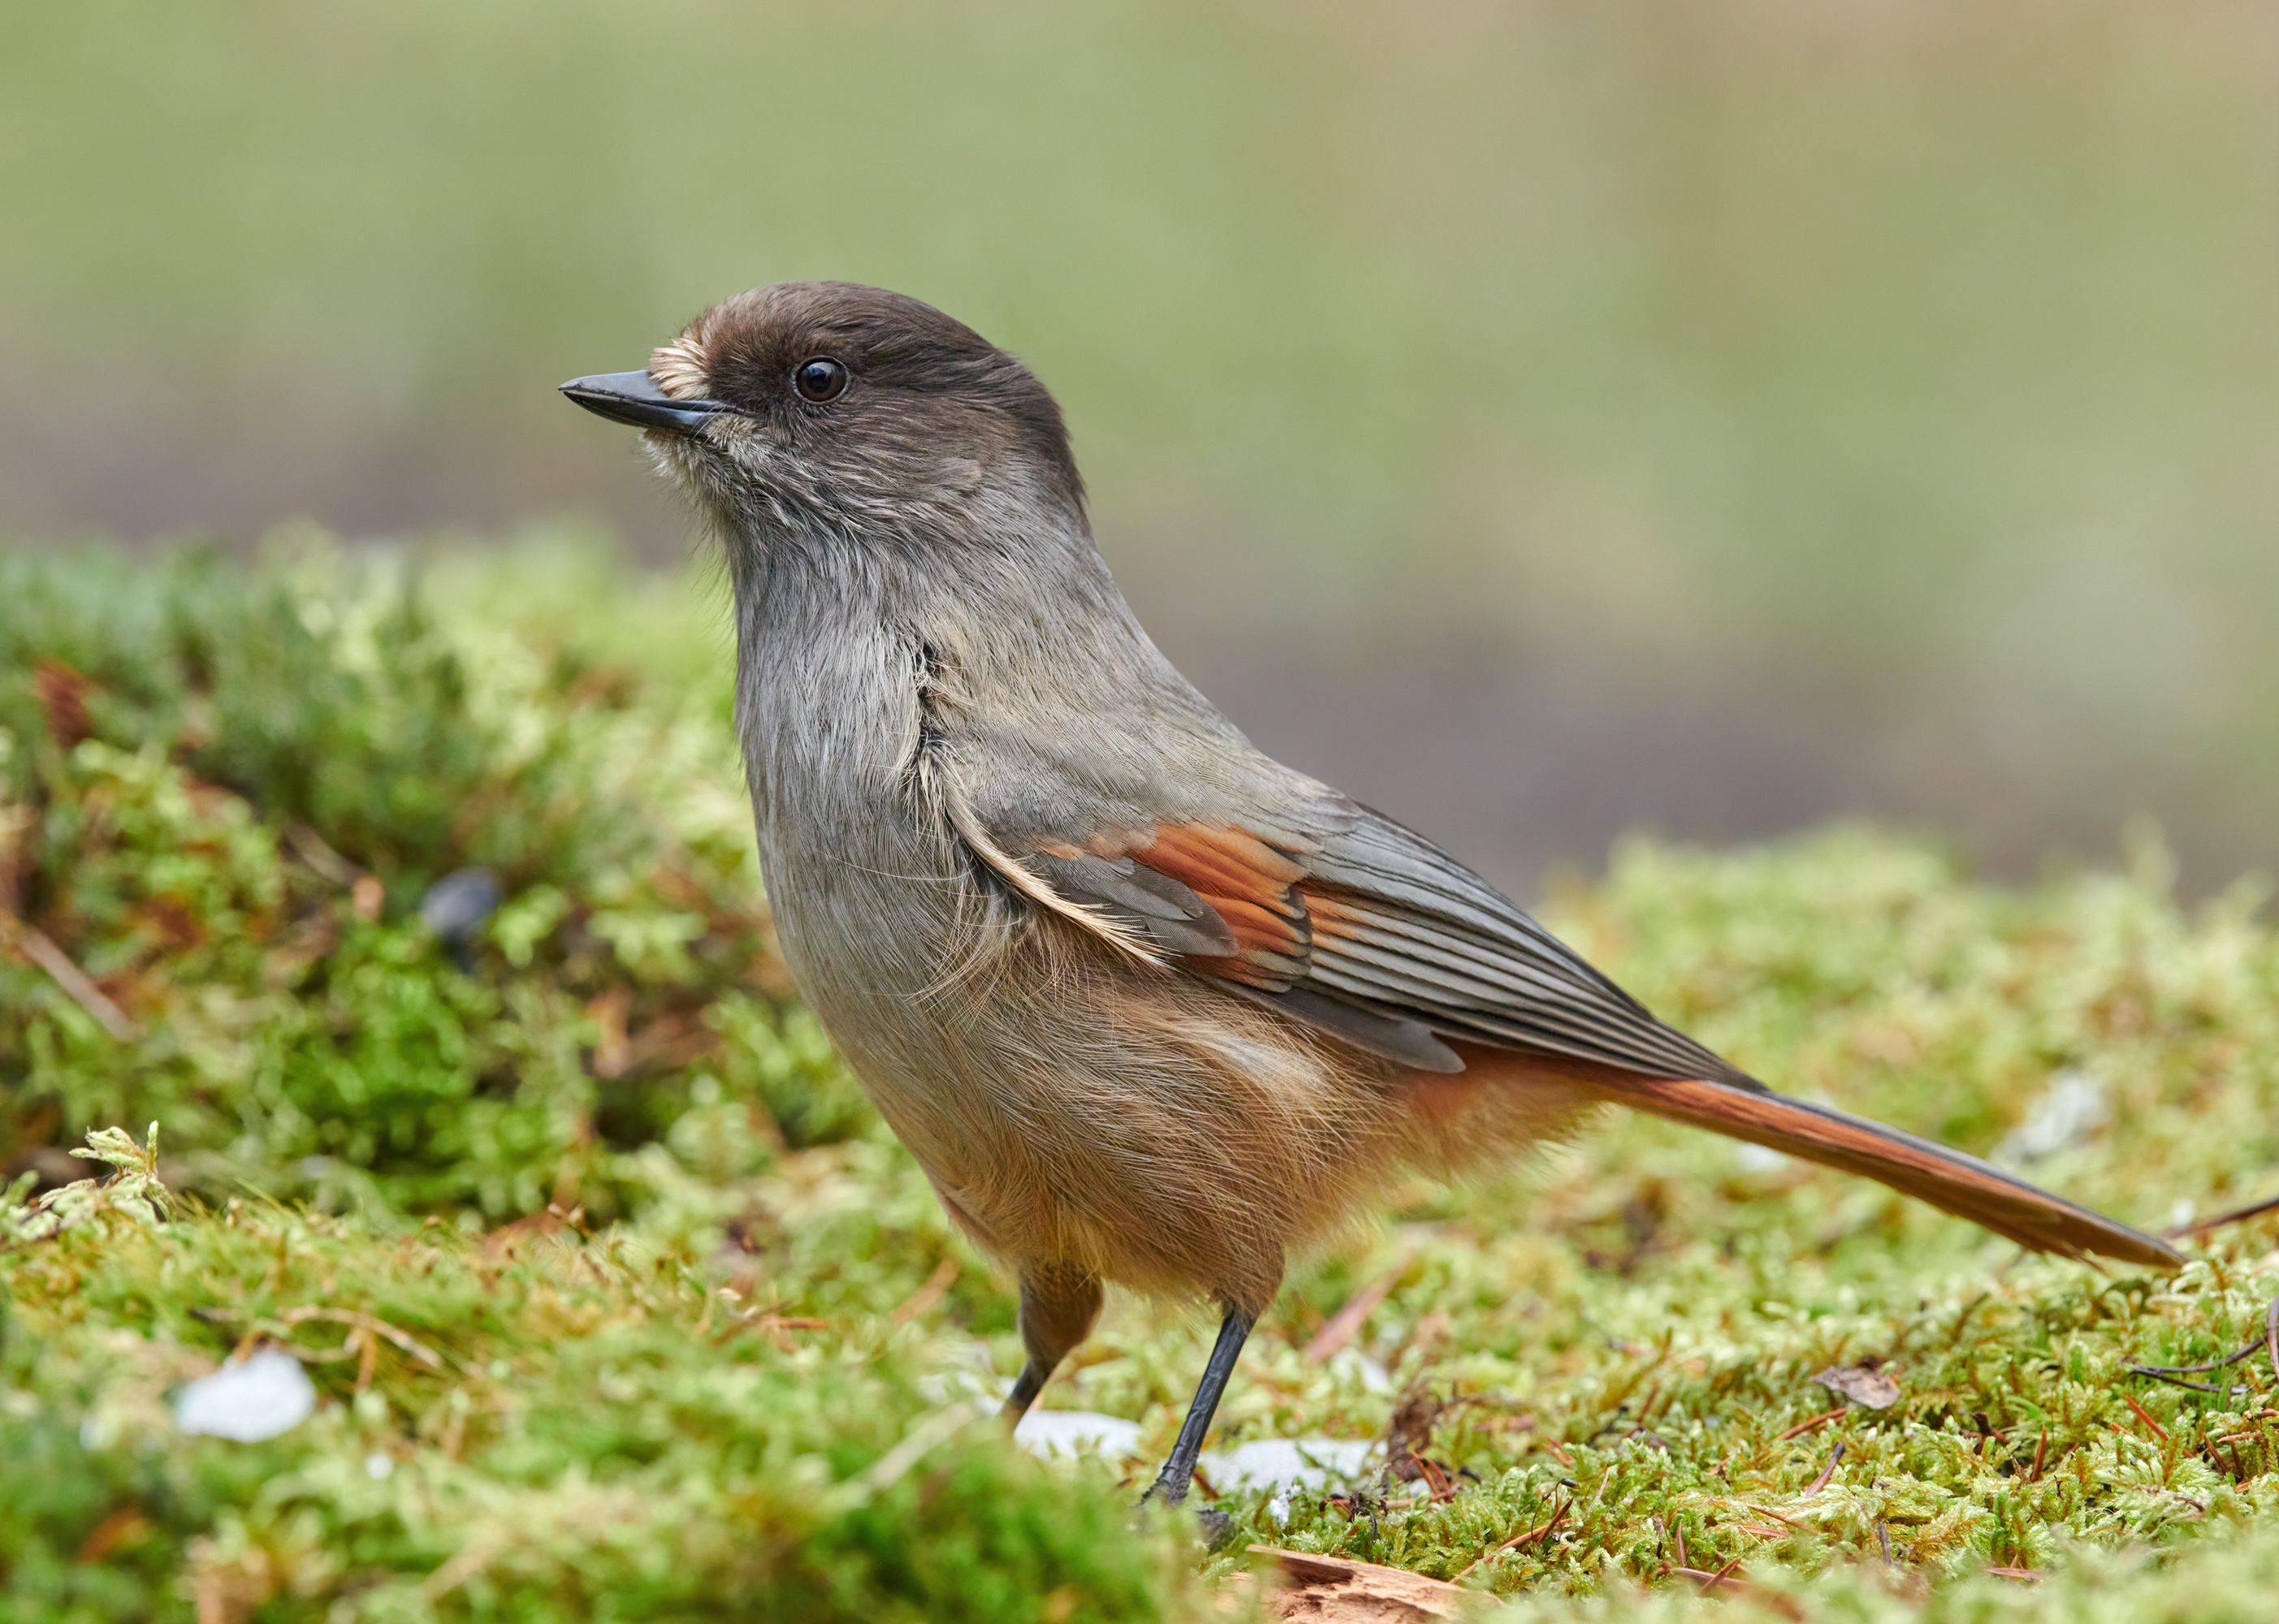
{"points": [[1220, 901], [1246, 881], [1259, 889]]}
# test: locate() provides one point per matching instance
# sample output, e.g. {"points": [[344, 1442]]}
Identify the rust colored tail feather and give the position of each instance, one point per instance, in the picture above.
{"points": [[1947, 1179]]}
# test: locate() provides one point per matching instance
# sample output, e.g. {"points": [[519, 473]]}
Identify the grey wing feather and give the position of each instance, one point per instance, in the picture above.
{"points": [[1423, 935], [1390, 945], [1387, 1032], [1154, 905]]}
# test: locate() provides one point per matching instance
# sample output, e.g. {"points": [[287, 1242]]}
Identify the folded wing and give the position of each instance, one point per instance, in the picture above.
{"points": [[1358, 928]]}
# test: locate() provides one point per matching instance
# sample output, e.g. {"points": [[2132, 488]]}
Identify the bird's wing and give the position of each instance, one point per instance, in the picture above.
{"points": [[1352, 924], [1346, 921]]}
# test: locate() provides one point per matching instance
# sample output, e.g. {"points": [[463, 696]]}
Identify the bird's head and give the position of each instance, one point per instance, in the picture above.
{"points": [[829, 407]]}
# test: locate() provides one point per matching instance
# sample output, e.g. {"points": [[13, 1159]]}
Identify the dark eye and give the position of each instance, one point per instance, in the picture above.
{"points": [[819, 380]]}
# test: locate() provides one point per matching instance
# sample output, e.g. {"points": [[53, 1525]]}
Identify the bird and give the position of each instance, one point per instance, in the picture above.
{"points": [[1147, 1006]]}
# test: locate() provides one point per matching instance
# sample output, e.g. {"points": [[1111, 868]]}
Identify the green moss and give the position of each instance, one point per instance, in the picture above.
{"points": [[531, 1426], [746, 1380], [224, 794]]}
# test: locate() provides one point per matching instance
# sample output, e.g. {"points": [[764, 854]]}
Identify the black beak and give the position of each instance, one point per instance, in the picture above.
{"points": [[634, 398]]}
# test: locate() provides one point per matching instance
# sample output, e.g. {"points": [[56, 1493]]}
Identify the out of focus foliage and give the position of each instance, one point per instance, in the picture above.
{"points": [[224, 795], [1754, 407], [620, 1303]]}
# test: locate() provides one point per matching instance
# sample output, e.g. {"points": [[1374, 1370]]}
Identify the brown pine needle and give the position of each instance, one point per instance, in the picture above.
{"points": [[2237, 1214], [1343, 1325], [1521, 1541], [2146, 1415], [1834, 1457], [922, 1302], [77, 986], [1766, 1511], [1811, 1424], [1724, 1577], [2270, 1338], [368, 1326]]}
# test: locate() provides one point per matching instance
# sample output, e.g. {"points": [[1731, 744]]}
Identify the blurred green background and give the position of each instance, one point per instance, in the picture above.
{"points": [[1544, 421]]}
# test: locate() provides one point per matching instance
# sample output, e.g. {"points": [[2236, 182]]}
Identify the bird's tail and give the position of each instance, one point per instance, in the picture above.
{"points": [[1947, 1179]]}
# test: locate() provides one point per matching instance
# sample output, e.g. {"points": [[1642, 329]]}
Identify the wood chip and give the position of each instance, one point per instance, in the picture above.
{"points": [[1325, 1589]]}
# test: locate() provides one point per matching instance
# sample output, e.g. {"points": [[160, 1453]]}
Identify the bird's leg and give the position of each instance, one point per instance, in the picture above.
{"points": [[1058, 1304], [1180, 1471]]}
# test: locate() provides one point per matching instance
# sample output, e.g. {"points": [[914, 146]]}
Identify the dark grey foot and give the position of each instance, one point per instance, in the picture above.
{"points": [[1216, 1527], [1025, 1388], [1217, 1530], [1178, 1474]]}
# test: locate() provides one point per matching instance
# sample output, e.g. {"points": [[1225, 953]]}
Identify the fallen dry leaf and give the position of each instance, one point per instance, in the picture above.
{"points": [[1863, 1384], [1325, 1589]]}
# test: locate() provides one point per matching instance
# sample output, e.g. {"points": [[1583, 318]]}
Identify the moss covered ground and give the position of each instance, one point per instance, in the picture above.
{"points": [[620, 1303]]}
